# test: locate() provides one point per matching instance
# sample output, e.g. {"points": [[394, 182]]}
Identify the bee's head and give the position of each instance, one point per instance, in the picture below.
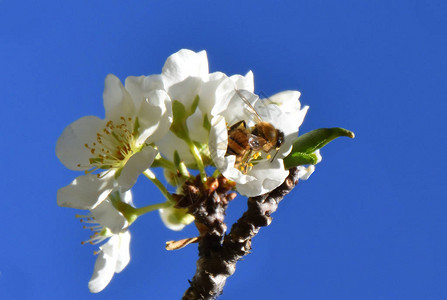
{"points": [[279, 138]]}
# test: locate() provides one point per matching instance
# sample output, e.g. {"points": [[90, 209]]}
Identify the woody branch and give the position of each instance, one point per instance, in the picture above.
{"points": [[218, 254]]}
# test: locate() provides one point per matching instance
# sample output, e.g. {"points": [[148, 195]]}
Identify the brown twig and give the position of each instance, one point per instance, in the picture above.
{"points": [[218, 255]]}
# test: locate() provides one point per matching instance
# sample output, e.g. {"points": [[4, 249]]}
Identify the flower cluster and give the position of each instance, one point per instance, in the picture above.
{"points": [[180, 120]]}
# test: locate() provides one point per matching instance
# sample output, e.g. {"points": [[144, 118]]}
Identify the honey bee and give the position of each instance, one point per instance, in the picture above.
{"points": [[247, 142]]}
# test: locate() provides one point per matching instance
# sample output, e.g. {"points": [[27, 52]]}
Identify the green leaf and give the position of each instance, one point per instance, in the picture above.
{"points": [[298, 159], [178, 126], [206, 123], [305, 145], [180, 114], [194, 105]]}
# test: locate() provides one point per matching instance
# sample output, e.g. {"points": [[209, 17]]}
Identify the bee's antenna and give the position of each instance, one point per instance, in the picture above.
{"points": [[277, 150]]}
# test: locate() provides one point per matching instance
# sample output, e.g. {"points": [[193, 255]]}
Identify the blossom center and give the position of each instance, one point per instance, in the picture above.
{"points": [[114, 144], [246, 162]]}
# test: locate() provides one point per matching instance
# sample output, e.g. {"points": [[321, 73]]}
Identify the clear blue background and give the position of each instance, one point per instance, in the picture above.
{"points": [[369, 224]]}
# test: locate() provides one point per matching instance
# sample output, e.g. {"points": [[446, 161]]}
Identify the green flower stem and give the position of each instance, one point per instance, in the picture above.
{"points": [[164, 163], [198, 158], [151, 176], [216, 173], [143, 210]]}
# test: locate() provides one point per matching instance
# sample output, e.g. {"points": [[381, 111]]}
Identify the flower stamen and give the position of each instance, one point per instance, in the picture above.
{"points": [[100, 233], [114, 145]]}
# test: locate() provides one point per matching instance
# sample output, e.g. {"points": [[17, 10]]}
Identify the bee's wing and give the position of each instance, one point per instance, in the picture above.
{"points": [[248, 99], [255, 142], [268, 108]]}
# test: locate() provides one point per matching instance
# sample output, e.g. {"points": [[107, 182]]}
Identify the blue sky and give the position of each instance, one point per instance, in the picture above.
{"points": [[370, 223]]}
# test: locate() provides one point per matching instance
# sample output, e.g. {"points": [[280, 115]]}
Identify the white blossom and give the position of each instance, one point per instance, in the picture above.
{"points": [[117, 146], [109, 224], [185, 77], [265, 173]]}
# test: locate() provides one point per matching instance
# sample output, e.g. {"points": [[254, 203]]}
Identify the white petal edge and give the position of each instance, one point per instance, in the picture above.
{"points": [[70, 147], [117, 101], [287, 100], [139, 162], [123, 251], [139, 87], [154, 116], [225, 91], [182, 64], [208, 92], [105, 265], [305, 172], [269, 175], [169, 143], [108, 216], [86, 191]]}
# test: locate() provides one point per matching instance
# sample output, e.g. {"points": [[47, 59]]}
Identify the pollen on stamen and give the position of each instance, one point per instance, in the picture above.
{"points": [[113, 146], [256, 155]]}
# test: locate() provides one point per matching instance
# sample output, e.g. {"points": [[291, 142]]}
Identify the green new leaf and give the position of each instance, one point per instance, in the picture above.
{"points": [[305, 145], [178, 126], [180, 114]]}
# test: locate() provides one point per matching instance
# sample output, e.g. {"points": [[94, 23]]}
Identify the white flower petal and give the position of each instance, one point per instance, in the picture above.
{"points": [[185, 63], [70, 147], [185, 91], [86, 192], [218, 141], [123, 251], [105, 265], [142, 86], [225, 92], [287, 100], [170, 143], [208, 92], [126, 197], [154, 116], [269, 175], [244, 82], [305, 172], [197, 132], [319, 157], [139, 162], [108, 216], [117, 101]]}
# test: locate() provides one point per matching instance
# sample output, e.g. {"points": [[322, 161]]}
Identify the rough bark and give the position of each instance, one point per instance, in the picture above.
{"points": [[218, 254]]}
